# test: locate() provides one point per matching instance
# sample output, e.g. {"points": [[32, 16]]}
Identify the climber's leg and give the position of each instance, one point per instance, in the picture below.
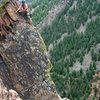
{"points": [[27, 17], [29, 21]]}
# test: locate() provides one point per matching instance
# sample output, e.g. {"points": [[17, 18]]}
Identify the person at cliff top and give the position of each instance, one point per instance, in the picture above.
{"points": [[24, 11], [23, 7]]}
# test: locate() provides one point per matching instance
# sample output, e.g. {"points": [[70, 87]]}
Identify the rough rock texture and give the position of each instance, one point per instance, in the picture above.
{"points": [[24, 65], [7, 94], [95, 87]]}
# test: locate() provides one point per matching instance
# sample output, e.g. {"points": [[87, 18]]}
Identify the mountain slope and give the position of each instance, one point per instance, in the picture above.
{"points": [[74, 38], [51, 15], [41, 8]]}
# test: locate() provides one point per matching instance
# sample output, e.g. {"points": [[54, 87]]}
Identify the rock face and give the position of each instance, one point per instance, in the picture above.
{"points": [[24, 65], [7, 94]]}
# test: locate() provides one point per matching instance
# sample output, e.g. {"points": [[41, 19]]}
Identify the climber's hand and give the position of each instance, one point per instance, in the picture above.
{"points": [[17, 11]]}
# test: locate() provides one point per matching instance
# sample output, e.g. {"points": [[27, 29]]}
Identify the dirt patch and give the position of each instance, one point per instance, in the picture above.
{"points": [[98, 1], [50, 48], [51, 15], [95, 88], [96, 50], [34, 9], [74, 5], [85, 65], [98, 65], [82, 27], [58, 41], [62, 37]]}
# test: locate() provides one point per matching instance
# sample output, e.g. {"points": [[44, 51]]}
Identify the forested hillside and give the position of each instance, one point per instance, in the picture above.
{"points": [[24, 65], [40, 9], [73, 42]]}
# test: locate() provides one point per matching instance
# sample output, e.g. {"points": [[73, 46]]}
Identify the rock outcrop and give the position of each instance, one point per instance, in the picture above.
{"points": [[24, 65], [7, 94]]}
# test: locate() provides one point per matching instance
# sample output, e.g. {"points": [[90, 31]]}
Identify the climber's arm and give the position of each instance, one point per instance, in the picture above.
{"points": [[19, 8]]}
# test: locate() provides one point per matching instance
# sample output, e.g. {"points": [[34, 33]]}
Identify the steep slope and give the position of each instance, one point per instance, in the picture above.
{"points": [[72, 41], [24, 65]]}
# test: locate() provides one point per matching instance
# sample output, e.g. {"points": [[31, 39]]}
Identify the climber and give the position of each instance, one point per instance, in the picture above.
{"points": [[23, 7], [24, 11]]}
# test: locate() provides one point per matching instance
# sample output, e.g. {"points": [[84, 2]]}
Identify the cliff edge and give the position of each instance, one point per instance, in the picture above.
{"points": [[24, 65]]}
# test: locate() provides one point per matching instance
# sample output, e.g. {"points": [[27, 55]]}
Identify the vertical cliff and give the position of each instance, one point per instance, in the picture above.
{"points": [[24, 65]]}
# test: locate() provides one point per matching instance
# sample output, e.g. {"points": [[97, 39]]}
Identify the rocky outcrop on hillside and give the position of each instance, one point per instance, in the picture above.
{"points": [[95, 87], [24, 65], [7, 94], [51, 15]]}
